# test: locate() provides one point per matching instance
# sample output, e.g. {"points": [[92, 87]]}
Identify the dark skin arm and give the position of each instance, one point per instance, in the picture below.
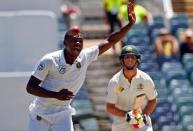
{"points": [[34, 89], [118, 35]]}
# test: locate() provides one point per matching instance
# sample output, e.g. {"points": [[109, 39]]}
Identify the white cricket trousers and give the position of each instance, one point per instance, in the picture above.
{"points": [[59, 122]]}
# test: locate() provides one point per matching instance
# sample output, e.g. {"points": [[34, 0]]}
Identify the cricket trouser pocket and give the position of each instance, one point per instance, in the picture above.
{"points": [[50, 118]]}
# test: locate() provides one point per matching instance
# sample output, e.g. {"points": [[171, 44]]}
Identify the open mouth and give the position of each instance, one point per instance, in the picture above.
{"points": [[78, 49]]}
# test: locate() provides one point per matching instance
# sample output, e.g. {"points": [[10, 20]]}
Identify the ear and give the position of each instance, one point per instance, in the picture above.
{"points": [[121, 61], [138, 61]]}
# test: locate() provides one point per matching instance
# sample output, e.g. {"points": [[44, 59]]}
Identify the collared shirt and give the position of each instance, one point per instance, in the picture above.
{"points": [[56, 75], [123, 94]]}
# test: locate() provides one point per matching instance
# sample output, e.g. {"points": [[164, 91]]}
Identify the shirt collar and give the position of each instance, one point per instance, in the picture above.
{"points": [[125, 79]]}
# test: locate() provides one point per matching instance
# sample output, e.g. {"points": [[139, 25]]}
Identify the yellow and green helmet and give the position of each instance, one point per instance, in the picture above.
{"points": [[130, 49]]}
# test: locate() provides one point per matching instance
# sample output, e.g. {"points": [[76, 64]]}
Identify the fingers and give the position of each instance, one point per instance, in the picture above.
{"points": [[132, 18], [68, 98], [65, 94], [130, 7]]}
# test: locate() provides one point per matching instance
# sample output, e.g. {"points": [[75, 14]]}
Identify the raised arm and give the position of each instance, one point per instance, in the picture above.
{"points": [[118, 35]]}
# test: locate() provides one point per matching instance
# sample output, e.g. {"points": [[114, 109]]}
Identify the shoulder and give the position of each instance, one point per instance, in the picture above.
{"points": [[48, 58], [144, 75], [116, 78], [146, 79], [90, 49]]}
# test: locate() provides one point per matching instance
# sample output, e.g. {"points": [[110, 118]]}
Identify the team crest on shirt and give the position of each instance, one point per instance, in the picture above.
{"points": [[41, 66], [78, 64], [62, 69], [120, 88], [140, 86]]}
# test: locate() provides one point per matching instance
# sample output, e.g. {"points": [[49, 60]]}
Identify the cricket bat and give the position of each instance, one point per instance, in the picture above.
{"points": [[138, 102]]}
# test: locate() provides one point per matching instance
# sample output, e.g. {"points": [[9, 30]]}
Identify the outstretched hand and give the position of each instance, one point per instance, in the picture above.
{"points": [[131, 14], [64, 94]]}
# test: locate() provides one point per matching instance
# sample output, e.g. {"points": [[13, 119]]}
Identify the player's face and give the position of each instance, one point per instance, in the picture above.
{"points": [[130, 61], [74, 45]]}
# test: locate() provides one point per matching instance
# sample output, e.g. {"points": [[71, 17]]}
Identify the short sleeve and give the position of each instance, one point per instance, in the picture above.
{"points": [[150, 90], [111, 92], [42, 68], [92, 53]]}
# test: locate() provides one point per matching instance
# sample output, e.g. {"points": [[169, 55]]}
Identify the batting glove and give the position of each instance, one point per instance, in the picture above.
{"points": [[136, 119]]}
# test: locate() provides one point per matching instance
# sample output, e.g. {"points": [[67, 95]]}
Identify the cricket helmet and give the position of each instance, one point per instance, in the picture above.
{"points": [[130, 49]]}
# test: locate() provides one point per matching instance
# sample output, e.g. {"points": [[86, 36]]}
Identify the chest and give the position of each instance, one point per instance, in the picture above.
{"points": [[68, 72], [130, 90]]}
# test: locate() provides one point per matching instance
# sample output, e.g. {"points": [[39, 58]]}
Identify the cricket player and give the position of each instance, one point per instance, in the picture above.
{"points": [[131, 90], [59, 75]]}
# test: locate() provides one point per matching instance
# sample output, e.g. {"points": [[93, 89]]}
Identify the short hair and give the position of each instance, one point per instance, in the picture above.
{"points": [[164, 31], [73, 33]]}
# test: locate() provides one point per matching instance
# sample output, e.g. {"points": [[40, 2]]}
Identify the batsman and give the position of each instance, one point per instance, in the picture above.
{"points": [[131, 95]]}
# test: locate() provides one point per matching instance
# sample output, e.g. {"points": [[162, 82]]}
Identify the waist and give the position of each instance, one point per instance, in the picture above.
{"points": [[49, 105]]}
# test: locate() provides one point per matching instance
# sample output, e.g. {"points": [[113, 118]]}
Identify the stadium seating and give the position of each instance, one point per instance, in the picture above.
{"points": [[171, 66], [185, 110], [187, 123], [178, 21], [90, 124], [83, 108], [188, 57], [189, 67], [170, 128], [191, 78], [166, 119], [158, 19]]}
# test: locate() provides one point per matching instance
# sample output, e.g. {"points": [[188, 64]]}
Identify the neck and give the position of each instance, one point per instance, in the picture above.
{"points": [[69, 58], [129, 74]]}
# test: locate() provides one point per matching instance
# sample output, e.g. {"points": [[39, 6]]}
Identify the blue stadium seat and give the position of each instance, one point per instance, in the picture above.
{"points": [[187, 122], [90, 124], [166, 119], [173, 84], [156, 75], [175, 74], [82, 94], [171, 66], [83, 108], [161, 111], [182, 100], [153, 30], [163, 92], [187, 57], [158, 19], [177, 26], [139, 26], [191, 77], [164, 104], [160, 84], [178, 21], [185, 110], [149, 66], [189, 67], [170, 128]]}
